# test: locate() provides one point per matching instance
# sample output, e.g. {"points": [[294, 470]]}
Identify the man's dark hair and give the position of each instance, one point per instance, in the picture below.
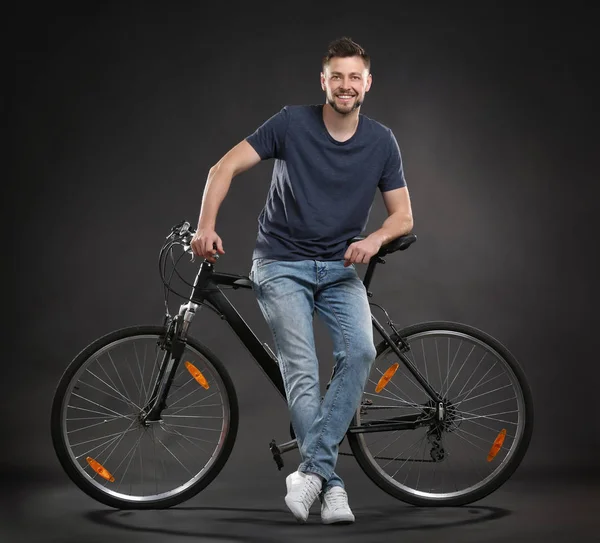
{"points": [[346, 47]]}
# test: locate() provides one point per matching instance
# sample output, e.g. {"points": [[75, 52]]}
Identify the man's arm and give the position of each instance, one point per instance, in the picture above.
{"points": [[240, 158], [400, 219], [398, 223]]}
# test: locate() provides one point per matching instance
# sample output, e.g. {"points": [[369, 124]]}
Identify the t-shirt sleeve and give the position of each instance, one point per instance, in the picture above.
{"points": [[268, 139], [392, 176]]}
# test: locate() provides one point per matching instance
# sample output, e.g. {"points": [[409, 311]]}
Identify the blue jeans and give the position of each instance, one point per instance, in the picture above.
{"points": [[289, 294]]}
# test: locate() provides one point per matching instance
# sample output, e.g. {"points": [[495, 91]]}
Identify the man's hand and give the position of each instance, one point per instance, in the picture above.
{"points": [[360, 252], [204, 242]]}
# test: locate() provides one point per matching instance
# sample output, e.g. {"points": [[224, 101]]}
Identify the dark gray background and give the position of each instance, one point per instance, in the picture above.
{"points": [[117, 113]]}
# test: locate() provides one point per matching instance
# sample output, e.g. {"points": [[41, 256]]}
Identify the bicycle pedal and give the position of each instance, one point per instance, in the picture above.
{"points": [[276, 454]]}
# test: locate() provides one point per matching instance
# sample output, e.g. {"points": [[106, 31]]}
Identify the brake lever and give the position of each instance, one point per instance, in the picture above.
{"points": [[188, 249]]}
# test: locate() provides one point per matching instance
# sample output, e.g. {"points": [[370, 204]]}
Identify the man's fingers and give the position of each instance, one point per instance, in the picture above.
{"points": [[349, 257], [197, 247], [209, 250], [355, 257]]}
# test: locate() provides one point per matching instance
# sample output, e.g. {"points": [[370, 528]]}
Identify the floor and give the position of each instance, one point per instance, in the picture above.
{"points": [[240, 506]]}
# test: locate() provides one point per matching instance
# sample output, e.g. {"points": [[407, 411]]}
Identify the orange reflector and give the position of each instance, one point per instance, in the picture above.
{"points": [[196, 374], [496, 446], [385, 378], [99, 469]]}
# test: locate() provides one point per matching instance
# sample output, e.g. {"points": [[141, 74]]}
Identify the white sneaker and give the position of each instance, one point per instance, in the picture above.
{"points": [[335, 508], [303, 489]]}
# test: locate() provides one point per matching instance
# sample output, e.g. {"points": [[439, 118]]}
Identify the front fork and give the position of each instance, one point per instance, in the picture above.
{"points": [[173, 344]]}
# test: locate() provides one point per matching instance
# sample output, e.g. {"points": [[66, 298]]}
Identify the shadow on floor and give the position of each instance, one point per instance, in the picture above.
{"points": [[240, 523]]}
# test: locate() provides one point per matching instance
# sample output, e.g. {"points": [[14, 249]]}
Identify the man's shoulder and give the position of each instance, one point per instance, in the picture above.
{"points": [[301, 109], [300, 116], [376, 126]]}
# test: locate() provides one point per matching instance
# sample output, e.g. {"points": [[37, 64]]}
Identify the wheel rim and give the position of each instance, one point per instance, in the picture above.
{"points": [[101, 428], [482, 398]]}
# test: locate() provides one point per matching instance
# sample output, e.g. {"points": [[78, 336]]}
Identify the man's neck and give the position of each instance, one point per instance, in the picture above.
{"points": [[340, 126]]}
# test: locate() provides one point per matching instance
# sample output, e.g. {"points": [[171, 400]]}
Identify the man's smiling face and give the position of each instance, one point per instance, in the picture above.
{"points": [[345, 81]]}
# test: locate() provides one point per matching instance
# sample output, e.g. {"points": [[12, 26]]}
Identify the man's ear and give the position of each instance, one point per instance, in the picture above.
{"points": [[322, 81]]}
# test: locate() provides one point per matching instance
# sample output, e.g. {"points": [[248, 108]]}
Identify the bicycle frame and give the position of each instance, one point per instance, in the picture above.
{"points": [[206, 291], [171, 351]]}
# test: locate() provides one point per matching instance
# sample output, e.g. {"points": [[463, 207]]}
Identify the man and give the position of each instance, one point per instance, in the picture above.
{"points": [[329, 160]]}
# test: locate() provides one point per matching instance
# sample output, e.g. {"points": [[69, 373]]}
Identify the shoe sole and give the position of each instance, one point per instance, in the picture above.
{"points": [[345, 520], [297, 512]]}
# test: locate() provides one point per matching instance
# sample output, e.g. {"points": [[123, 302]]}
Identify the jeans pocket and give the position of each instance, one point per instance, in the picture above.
{"points": [[260, 262]]}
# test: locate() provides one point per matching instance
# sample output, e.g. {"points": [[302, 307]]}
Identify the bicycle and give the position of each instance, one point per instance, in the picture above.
{"points": [[422, 412]]}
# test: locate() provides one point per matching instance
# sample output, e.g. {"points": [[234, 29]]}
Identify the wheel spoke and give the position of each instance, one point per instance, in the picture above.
{"points": [[195, 429], [97, 404], [448, 459]]}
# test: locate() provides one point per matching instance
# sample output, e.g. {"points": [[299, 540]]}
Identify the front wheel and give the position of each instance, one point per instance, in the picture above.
{"points": [[472, 445], [106, 449]]}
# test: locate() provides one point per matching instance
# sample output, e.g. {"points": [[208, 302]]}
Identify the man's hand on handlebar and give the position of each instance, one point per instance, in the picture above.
{"points": [[207, 244]]}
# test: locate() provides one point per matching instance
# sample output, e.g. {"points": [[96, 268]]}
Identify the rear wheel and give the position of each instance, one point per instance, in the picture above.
{"points": [[482, 436], [110, 454]]}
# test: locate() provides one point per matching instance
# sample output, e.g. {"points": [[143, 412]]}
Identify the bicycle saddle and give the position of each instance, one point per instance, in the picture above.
{"points": [[398, 244]]}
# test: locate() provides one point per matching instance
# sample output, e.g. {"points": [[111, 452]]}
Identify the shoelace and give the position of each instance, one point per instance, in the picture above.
{"points": [[337, 500], [310, 490]]}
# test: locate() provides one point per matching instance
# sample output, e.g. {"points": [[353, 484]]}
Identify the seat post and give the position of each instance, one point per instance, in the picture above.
{"points": [[369, 273]]}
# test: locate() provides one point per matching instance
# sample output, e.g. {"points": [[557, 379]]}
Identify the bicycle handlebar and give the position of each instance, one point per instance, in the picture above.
{"points": [[185, 233]]}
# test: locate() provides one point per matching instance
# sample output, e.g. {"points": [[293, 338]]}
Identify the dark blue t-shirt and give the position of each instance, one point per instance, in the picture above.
{"points": [[322, 190]]}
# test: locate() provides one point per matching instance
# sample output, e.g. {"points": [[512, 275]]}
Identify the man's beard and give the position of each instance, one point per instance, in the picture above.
{"points": [[345, 111]]}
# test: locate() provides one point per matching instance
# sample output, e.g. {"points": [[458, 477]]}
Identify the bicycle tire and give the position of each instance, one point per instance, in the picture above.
{"points": [[369, 465], [61, 446]]}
